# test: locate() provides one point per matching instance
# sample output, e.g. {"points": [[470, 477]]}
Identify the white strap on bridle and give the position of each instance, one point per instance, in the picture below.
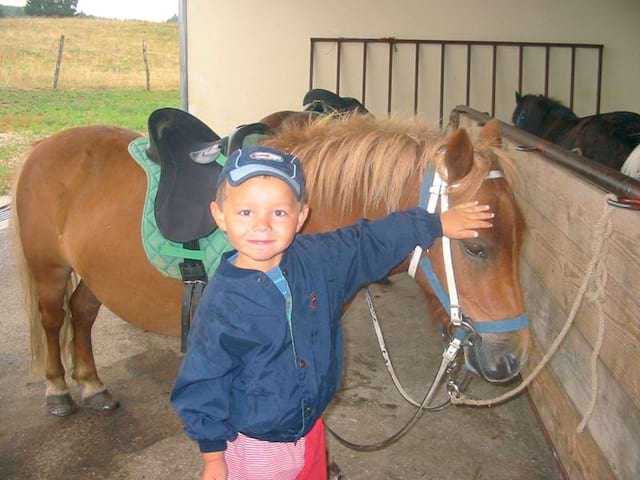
{"points": [[439, 191]]}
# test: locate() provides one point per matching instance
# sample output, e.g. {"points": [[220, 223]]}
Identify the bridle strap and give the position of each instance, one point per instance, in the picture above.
{"points": [[502, 326]]}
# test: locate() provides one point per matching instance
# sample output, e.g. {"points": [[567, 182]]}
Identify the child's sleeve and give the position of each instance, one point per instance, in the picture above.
{"points": [[201, 394], [367, 251]]}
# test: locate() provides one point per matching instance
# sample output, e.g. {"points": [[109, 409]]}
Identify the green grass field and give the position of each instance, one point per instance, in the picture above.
{"points": [[29, 115], [101, 81]]}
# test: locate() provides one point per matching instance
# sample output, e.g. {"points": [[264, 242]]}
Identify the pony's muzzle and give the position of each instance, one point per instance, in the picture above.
{"points": [[495, 358]]}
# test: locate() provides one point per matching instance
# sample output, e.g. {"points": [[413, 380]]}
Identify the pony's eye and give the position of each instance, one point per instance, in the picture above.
{"points": [[474, 249]]}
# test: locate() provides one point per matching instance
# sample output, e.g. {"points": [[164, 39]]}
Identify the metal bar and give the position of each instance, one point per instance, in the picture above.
{"points": [[442, 50], [338, 61], [520, 63], [455, 42], [493, 80], [468, 86], [599, 87], [596, 174], [546, 71], [184, 58], [415, 84], [311, 65], [392, 42], [364, 72], [573, 77], [390, 78]]}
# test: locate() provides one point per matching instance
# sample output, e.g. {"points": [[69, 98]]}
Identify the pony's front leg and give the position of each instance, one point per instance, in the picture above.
{"points": [[84, 309]]}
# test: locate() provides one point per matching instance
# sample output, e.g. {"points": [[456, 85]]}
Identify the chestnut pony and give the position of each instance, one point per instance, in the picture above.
{"points": [[78, 205]]}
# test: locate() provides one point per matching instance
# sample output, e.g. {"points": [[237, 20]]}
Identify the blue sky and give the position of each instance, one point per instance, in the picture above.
{"points": [[155, 10]]}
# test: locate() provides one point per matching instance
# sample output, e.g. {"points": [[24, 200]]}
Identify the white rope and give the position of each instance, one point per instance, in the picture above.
{"points": [[387, 358], [597, 296], [596, 267]]}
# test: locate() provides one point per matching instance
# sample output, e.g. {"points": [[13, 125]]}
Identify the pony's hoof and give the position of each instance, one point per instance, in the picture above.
{"points": [[102, 401], [60, 405]]}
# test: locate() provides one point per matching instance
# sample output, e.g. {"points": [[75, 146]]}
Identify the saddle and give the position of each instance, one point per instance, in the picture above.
{"points": [[326, 102], [191, 156]]}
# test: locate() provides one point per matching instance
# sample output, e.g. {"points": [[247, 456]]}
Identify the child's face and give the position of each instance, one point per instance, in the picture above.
{"points": [[261, 218]]}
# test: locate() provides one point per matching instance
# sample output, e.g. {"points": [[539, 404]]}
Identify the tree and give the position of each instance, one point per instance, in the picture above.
{"points": [[51, 8]]}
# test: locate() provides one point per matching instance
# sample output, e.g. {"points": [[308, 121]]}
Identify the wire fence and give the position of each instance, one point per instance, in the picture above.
{"points": [[88, 53]]}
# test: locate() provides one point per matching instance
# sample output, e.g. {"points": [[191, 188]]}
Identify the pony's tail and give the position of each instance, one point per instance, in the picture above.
{"points": [[31, 300]]}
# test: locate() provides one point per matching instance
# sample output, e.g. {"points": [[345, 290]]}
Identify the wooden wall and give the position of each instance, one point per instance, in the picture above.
{"points": [[561, 210]]}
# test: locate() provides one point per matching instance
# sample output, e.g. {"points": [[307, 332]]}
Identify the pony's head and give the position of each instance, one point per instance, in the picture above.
{"points": [[487, 267], [358, 166], [535, 113]]}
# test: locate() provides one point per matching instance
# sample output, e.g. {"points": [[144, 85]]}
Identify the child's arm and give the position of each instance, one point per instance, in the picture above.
{"points": [[367, 251], [215, 467], [201, 393]]}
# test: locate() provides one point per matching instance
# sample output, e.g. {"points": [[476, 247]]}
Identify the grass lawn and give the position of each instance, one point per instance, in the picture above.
{"points": [[28, 115]]}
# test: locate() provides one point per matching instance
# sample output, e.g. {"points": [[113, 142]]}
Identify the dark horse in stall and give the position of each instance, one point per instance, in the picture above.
{"points": [[607, 138], [78, 206]]}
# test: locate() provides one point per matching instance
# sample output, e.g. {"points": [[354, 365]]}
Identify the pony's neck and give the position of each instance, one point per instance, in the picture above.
{"points": [[557, 121]]}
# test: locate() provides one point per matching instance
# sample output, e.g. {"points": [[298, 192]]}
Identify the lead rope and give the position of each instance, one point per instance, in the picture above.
{"points": [[387, 360], [447, 357], [596, 270]]}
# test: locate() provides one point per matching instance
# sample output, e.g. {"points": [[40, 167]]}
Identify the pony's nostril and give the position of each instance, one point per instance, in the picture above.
{"points": [[492, 366]]}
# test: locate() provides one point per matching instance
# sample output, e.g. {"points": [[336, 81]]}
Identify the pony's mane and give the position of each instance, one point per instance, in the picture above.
{"points": [[357, 158], [549, 104]]}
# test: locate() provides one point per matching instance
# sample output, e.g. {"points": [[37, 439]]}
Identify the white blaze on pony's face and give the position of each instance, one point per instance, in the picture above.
{"points": [[261, 217]]}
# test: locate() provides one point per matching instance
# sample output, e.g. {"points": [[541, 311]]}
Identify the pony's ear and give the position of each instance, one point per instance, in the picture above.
{"points": [[518, 97], [490, 133], [458, 156]]}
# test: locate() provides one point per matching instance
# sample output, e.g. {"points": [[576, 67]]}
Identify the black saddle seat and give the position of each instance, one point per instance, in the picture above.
{"points": [[186, 187], [325, 102]]}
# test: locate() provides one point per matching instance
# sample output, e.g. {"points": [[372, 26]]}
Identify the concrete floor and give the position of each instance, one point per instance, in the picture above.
{"points": [[143, 439]]}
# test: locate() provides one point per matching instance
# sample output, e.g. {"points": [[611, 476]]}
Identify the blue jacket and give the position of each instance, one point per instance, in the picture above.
{"points": [[240, 374]]}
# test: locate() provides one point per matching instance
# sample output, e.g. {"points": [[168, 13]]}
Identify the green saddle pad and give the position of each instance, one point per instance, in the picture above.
{"points": [[162, 253]]}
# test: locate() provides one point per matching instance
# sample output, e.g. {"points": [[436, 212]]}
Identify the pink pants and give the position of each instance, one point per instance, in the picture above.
{"points": [[315, 454], [251, 459]]}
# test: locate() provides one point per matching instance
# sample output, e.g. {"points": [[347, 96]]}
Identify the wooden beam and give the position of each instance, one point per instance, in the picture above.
{"points": [[579, 455]]}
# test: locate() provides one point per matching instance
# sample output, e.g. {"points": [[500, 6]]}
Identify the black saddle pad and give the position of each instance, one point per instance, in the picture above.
{"points": [[186, 188]]}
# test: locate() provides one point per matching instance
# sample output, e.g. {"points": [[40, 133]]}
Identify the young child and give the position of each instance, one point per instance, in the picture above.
{"points": [[265, 352]]}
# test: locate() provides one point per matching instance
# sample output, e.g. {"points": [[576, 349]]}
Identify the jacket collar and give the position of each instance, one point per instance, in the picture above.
{"points": [[230, 271]]}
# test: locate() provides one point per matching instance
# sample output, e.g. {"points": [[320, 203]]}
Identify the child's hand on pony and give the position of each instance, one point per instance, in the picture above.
{"points": [[462, 221]]}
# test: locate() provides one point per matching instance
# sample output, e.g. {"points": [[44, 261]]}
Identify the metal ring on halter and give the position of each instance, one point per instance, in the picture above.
{"points": [[628, 203], [470, 332], [527, 148], [453, 389]]}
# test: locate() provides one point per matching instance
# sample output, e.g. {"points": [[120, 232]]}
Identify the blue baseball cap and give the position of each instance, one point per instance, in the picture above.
{"points": [[255, 161]]}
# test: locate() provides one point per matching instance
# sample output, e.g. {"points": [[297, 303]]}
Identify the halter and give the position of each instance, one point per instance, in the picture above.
{"points": [[434, 188], [462, 330]]}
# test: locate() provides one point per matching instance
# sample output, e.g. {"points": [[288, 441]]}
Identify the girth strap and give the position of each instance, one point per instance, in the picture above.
{"points": [[195, 279]]}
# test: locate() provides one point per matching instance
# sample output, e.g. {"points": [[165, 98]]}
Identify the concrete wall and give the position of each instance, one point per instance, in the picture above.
{"points": [[250, 58]]}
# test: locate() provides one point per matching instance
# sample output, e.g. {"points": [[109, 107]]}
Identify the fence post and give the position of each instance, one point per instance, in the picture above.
{"points": [[56, 75], [146, 64]]}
